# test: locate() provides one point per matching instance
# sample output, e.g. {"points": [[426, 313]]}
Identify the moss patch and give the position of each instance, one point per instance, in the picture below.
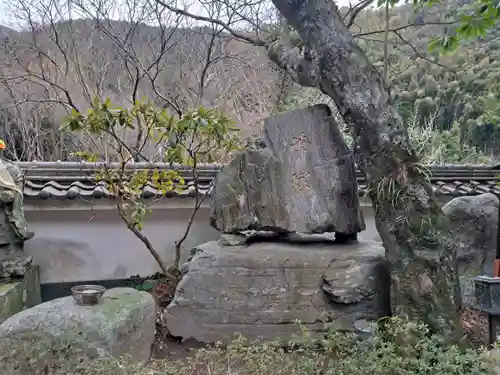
{"points": [[111, 307]]}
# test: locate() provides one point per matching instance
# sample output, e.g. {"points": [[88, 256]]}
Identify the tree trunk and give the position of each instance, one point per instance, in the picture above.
{"points": [[410, 222]]}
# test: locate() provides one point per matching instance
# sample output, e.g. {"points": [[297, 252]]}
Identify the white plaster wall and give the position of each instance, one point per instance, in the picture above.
{"points": [[69, 246], [370, 233]]}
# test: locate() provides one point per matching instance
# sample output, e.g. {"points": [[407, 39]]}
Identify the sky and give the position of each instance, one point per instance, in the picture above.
{"points": [[4, 17], [2, 10]]}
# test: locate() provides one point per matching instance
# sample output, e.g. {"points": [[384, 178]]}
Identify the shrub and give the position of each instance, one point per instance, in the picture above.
{"points": [[118, 137], [401, 347]]}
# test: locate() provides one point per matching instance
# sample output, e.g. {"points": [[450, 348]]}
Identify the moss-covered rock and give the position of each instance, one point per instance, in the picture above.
{"points": [[60, 334]]}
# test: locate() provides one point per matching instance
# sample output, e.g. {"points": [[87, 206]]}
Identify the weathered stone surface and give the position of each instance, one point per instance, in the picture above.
{"points": [[227, 239], [261, 290], [14, 263], [14, 230], [473, 225], [11, 299], [300, 177], [62, 333], [31, 285], [20, 293]]}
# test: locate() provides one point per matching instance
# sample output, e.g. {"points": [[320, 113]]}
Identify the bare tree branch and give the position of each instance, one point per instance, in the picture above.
{"points": [[400, 28], [236, 34], [353, 12]]}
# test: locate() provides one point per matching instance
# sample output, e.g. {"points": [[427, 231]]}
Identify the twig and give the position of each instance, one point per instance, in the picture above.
{"points": [[236, 34]]}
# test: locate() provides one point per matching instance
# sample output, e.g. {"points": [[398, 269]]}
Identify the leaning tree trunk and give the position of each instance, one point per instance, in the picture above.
{"points": [[410, 222]]}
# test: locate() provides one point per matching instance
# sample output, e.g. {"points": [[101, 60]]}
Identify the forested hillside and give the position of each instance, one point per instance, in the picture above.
{"points": [[458, 92], [450, 103]]}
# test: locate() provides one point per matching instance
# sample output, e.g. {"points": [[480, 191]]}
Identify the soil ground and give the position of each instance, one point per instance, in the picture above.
{"points": [[475, 325], [166, 346], [171, 348]]}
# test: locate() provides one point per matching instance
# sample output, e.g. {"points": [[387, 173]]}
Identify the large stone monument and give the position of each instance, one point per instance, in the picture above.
{"points": [[299, 177], [19, 278], [278, 204]]}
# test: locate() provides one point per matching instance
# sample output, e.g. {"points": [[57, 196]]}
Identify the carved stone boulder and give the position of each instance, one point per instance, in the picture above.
{"points": [[299, 177]]}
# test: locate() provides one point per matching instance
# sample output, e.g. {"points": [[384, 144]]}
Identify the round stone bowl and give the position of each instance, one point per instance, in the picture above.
{"points": [[87, 295], [364, 328]]}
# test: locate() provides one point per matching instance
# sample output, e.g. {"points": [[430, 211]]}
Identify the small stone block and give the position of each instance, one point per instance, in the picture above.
{"points": [[32, 290], [11, 299]]}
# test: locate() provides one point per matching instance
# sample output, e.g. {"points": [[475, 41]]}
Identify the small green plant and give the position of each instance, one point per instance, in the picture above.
{"points": [[397, 347], [118, 137]]}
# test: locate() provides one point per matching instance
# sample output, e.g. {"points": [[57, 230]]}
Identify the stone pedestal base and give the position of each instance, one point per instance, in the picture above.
{"points": [[20, 293], [262, 289]]}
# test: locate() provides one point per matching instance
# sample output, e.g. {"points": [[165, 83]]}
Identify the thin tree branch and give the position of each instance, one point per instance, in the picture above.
{"points": [[400, 28], [236, 34], [354, 12]]}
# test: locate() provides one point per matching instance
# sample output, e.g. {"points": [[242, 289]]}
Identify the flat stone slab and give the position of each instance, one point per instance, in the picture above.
{"points": [[261, 290], [63, 333], [299, 177]]}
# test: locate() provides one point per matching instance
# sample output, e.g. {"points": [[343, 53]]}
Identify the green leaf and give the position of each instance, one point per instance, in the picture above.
{"points": [[445, 44], [147, 286]]}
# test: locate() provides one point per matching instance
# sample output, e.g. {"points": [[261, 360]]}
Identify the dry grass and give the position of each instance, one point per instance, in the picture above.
{"points": [[475, 325]]}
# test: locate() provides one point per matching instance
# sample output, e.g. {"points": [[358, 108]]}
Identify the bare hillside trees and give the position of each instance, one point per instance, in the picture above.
{"points": [[66, 53]]}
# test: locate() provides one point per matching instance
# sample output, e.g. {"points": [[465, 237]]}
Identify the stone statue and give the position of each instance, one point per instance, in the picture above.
{"points": [[14, 230]]}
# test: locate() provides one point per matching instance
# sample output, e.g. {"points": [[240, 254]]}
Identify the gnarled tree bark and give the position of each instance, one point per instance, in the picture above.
{"points": [[410, 222]]}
